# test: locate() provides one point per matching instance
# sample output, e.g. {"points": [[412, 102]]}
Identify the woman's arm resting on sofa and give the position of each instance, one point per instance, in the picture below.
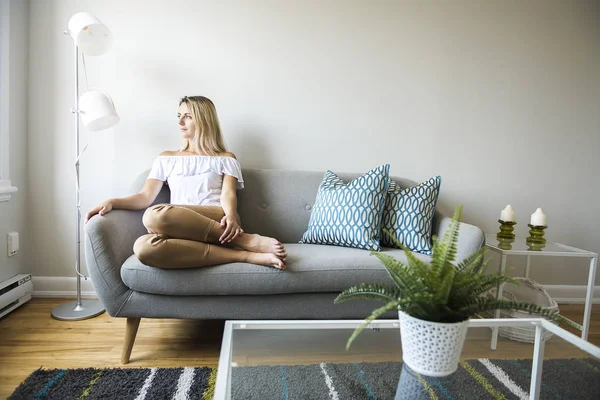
{"points": [[138, 201]]}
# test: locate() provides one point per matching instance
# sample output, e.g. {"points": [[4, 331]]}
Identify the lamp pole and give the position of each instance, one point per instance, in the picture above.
{"points": [[80, 309]]}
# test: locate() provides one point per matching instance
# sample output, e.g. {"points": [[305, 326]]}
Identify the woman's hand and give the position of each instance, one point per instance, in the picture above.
{"points": [[232, 229], [101, 209]]}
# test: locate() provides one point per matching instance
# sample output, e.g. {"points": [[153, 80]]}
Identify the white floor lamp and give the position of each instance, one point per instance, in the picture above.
{"points": [[97, 112]]}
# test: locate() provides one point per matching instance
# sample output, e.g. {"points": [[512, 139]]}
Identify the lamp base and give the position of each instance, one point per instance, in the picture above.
{"points": [[73, 312]]}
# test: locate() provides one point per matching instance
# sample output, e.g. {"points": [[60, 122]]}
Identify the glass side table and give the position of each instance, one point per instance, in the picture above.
{"points": [[519, 247]]}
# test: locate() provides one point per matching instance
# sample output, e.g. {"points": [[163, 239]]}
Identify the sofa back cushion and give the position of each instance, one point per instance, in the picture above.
{"points": [[275, 203], [278, 203]]}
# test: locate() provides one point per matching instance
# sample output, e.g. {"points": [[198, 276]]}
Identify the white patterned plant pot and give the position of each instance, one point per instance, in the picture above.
{"points": [[431, 348]]}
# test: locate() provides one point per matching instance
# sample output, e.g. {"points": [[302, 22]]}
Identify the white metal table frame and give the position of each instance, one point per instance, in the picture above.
{"points": [[223, 384], [570, 252]]}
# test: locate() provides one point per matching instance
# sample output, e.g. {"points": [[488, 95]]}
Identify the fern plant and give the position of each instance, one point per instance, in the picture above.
{"points": [[438, 291]]}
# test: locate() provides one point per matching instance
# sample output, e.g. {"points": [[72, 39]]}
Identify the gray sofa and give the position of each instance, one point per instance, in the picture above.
{"points": [[274, 203]]}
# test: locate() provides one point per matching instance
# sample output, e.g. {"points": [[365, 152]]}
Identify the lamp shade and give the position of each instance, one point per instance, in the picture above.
{"points": [[97, 110], [91, 36]]}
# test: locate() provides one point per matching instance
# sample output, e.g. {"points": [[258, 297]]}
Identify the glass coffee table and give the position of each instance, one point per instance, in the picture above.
{"points": [[308, 359]]}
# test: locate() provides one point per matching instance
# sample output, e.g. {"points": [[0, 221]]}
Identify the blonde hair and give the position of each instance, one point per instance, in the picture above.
{"points": [[207, 138]]}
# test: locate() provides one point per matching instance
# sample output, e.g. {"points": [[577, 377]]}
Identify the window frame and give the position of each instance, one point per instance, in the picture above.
{"points": [[6, 187]]}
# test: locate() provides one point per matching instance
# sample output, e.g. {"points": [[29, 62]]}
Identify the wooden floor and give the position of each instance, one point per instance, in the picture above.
{"points": [[30, 339]]}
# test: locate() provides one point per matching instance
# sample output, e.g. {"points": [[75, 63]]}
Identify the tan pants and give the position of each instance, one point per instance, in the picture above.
{"points": [[178, 235]]}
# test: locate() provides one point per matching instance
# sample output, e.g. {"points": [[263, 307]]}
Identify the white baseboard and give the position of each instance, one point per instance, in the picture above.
{"points": [[63, 287], [571, 294]]}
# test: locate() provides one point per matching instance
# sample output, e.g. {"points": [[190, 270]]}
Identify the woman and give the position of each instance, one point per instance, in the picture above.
{"points": [[201, 221]]}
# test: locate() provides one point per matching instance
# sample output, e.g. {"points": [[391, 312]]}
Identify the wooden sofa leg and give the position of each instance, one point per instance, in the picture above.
{"points": [[130, 332]]}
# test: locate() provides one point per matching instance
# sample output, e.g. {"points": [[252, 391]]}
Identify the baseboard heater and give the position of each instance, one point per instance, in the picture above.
{"points": [[15, 292]]}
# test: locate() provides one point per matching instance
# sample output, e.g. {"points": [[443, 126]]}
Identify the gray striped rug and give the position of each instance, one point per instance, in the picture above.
{"points": [[118, 383], [475, 379]]}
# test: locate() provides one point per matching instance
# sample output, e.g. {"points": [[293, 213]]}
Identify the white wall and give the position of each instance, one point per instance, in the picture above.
{"points": [[500, 98], [13, 212]]}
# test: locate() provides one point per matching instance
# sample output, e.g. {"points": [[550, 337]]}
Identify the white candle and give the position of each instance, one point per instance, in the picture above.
{"points": [[508, 214], [538, 218]]}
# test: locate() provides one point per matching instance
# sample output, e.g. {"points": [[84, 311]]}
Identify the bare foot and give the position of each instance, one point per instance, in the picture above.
{"points": [[260, 244], [268, 259]]}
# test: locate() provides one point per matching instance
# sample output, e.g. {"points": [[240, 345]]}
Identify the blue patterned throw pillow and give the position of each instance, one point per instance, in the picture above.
{"points": [[349, 214], [408, 214]]}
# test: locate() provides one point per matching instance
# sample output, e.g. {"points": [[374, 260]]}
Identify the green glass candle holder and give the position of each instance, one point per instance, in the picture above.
{"points": [[535, 246], [506, 230], [505, 244], [536, 234]]}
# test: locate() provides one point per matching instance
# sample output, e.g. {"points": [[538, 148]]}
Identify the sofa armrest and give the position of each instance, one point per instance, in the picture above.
{"points": [[108, 243], [470, 237]]}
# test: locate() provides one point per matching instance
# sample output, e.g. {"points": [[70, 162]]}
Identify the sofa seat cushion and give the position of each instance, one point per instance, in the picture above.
{"points": [[310, 268]]}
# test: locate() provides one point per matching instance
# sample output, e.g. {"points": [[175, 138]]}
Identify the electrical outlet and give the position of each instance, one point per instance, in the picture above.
{"points": [[12, 243]]}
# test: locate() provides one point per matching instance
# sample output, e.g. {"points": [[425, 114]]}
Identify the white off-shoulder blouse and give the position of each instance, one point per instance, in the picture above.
{"points": [[196, 180]]}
